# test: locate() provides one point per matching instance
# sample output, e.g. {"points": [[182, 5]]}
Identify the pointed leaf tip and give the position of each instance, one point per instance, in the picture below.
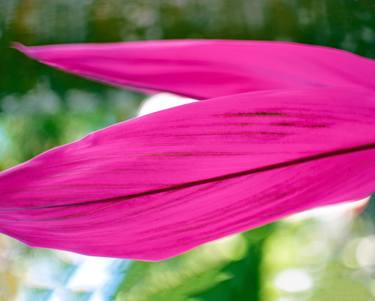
{"points": [[20, 47], [204, 69]]}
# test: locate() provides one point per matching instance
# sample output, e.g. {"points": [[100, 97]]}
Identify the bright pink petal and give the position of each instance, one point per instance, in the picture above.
{"points": [[209, 68], [153, 187]]}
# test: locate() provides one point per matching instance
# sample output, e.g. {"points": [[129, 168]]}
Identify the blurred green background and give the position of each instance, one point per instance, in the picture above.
{"points": [[325, 256]]}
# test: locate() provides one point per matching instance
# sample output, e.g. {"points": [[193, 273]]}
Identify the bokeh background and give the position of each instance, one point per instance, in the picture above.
{"points": [[326, 255]]}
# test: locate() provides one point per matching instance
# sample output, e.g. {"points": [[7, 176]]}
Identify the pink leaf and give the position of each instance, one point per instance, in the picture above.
{"points": [[156, 186], [209, 68]]}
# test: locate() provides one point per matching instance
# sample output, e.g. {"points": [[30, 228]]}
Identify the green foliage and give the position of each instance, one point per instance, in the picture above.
{"points": [[228, 269]]}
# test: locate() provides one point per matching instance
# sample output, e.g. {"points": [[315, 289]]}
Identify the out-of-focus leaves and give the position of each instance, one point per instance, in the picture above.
{"points": [[27, 129], [244, 280], [338, 283], [9, 273], [369, 211], [228, 269]]}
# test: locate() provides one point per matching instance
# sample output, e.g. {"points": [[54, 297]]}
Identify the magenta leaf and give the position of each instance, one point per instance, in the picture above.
{"points": [[209, 68], [153, 187]]}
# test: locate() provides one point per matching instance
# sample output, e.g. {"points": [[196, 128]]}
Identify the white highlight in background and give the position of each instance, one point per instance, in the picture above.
{"points": [[293, 281], [162, 101]]}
